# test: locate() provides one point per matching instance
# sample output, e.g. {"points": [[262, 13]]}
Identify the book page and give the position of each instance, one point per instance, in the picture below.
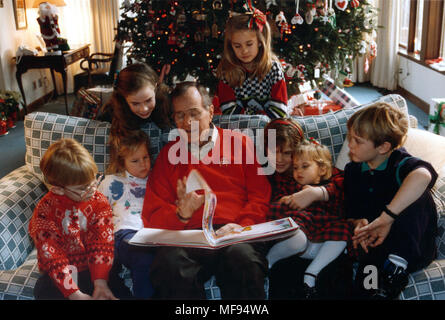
{"points": [[261, 230], [196, 182], [155, 237]]}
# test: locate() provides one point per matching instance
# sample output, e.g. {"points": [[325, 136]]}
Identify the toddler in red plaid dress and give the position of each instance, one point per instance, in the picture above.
{"points": [[324, 232]]}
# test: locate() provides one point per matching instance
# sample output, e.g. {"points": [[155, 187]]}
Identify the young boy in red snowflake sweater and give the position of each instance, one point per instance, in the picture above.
{"points": [[72, 227]]}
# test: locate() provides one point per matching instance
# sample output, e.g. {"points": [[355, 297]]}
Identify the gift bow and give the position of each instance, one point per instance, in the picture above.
{"points": [[258, 17], [437, 118]]}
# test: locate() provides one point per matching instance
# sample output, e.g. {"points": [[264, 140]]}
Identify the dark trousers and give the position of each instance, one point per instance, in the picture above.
{"points": [[45, 289], [180, 273], [137, 259], [412, 236]]}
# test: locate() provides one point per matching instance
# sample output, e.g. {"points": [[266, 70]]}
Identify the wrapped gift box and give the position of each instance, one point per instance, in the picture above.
{"points": [[339, 96], [314, 107], [437, 116], [103, 93]]}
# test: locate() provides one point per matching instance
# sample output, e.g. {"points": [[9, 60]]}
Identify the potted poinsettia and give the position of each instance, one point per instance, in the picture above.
{"points": [[9, 109]]}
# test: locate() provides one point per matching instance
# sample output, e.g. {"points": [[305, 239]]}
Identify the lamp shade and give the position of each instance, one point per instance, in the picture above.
{"points": [[57, 3]]}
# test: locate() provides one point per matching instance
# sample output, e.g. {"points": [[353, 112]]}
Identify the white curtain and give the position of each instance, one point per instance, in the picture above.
{"points": [[385, 66], [87, 22], [106, 15]]}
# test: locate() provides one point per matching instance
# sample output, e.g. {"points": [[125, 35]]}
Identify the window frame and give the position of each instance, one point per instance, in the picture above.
{"points": [[433, 25]]}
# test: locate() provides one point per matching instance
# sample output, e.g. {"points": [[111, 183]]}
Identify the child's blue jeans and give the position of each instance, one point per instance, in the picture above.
{"points": [[137, 259]]}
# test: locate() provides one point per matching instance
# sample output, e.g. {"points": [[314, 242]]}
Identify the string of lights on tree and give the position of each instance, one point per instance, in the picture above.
{"points": [[311, 37]]}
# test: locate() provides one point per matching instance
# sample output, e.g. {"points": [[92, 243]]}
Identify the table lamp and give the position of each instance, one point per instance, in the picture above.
{"points": [[49, 26]]}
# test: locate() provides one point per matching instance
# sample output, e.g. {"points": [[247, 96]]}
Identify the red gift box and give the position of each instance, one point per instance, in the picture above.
{"points": [[312, 108]]}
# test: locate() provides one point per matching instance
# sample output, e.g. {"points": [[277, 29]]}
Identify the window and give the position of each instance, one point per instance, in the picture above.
{"points": [[404, 24], [422, 29], [419, 25], [442, 52]]}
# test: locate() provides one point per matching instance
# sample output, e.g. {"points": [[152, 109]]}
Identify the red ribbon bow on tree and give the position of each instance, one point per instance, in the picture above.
{"points": [[258, 17]]}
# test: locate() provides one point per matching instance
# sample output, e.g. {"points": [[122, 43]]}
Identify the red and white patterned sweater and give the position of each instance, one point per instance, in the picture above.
{"points": [[73, 235]]}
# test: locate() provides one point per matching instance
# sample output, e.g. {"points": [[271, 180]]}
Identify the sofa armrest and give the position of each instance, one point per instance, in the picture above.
{"points": [[20, 191]]}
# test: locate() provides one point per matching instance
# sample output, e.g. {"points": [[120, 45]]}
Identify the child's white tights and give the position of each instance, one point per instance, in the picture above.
{"points": [[321, 253], [286, 248]]}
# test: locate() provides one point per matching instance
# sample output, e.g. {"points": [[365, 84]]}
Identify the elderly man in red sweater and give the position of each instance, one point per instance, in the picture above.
{"points": [[226, 160]]}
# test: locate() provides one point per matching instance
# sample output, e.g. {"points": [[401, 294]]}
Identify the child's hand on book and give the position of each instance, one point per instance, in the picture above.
{"points": [[227, 229], [187, 203]]}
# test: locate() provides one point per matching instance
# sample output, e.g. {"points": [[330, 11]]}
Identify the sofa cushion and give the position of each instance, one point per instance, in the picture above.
{"points": [[42, 129], [19, 193], [330, 128], [19, 284], [426, 284]]}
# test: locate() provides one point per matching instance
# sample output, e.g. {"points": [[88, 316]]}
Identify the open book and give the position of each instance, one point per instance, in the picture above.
{"points": [[207, 238]]}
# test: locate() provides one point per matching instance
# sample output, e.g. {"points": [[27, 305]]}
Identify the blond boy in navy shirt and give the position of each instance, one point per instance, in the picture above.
{"points": [[388, 200]]}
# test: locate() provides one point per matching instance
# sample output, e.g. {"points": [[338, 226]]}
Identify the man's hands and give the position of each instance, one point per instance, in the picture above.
{"points": [[187, 203], [227, 229]]}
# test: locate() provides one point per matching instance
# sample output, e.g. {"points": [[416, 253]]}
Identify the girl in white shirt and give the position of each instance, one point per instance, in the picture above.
{"points": [[124, 186]]}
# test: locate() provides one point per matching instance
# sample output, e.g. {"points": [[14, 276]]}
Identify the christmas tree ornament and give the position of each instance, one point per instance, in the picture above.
{"points": [[281, 21], [297, 19], [310, 13], [181, 20], [309, 17], [341, 4], [270, 3], [355, 3], [126, 4], [207, 32], [363, 47], [215, 31], [217, 5]]}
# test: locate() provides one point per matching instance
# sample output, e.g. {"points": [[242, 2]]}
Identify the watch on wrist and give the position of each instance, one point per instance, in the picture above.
{"points": [[181, 218]]}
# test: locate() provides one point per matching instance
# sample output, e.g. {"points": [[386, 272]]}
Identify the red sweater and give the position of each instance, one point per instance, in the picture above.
{"points": [[68, 233], [242, 195]]}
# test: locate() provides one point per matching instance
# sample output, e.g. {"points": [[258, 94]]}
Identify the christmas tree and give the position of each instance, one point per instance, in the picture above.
{"points": [[311, 37]]}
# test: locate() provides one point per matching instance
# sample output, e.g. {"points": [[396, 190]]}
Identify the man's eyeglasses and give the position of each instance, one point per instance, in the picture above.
{"points": [[194, 114]]}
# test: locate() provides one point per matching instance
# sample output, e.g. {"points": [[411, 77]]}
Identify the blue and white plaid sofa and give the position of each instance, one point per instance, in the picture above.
{"points": [[21, 190]]}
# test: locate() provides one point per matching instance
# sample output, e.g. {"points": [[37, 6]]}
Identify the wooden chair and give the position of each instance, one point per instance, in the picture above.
{"points": [[95, 73]]}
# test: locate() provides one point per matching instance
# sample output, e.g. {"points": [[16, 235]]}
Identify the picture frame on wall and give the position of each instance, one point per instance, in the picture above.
{"points": [[20, 14]]}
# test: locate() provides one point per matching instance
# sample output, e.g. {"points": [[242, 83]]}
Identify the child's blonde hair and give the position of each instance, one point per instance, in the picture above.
{"points": [[68, 163], [122, 146], [314, 151], [288, 133], [380, 123], [230, 67]]}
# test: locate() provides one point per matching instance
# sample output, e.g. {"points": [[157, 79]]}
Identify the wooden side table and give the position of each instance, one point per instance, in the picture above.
{"points": [[55, 63]]}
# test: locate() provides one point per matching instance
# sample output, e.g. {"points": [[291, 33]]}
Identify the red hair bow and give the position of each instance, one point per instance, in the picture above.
{"points": [[258, 17], [313, 141]]}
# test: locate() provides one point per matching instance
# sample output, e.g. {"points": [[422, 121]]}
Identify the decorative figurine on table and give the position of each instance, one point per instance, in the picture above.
{"points": [[49, 28]]}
